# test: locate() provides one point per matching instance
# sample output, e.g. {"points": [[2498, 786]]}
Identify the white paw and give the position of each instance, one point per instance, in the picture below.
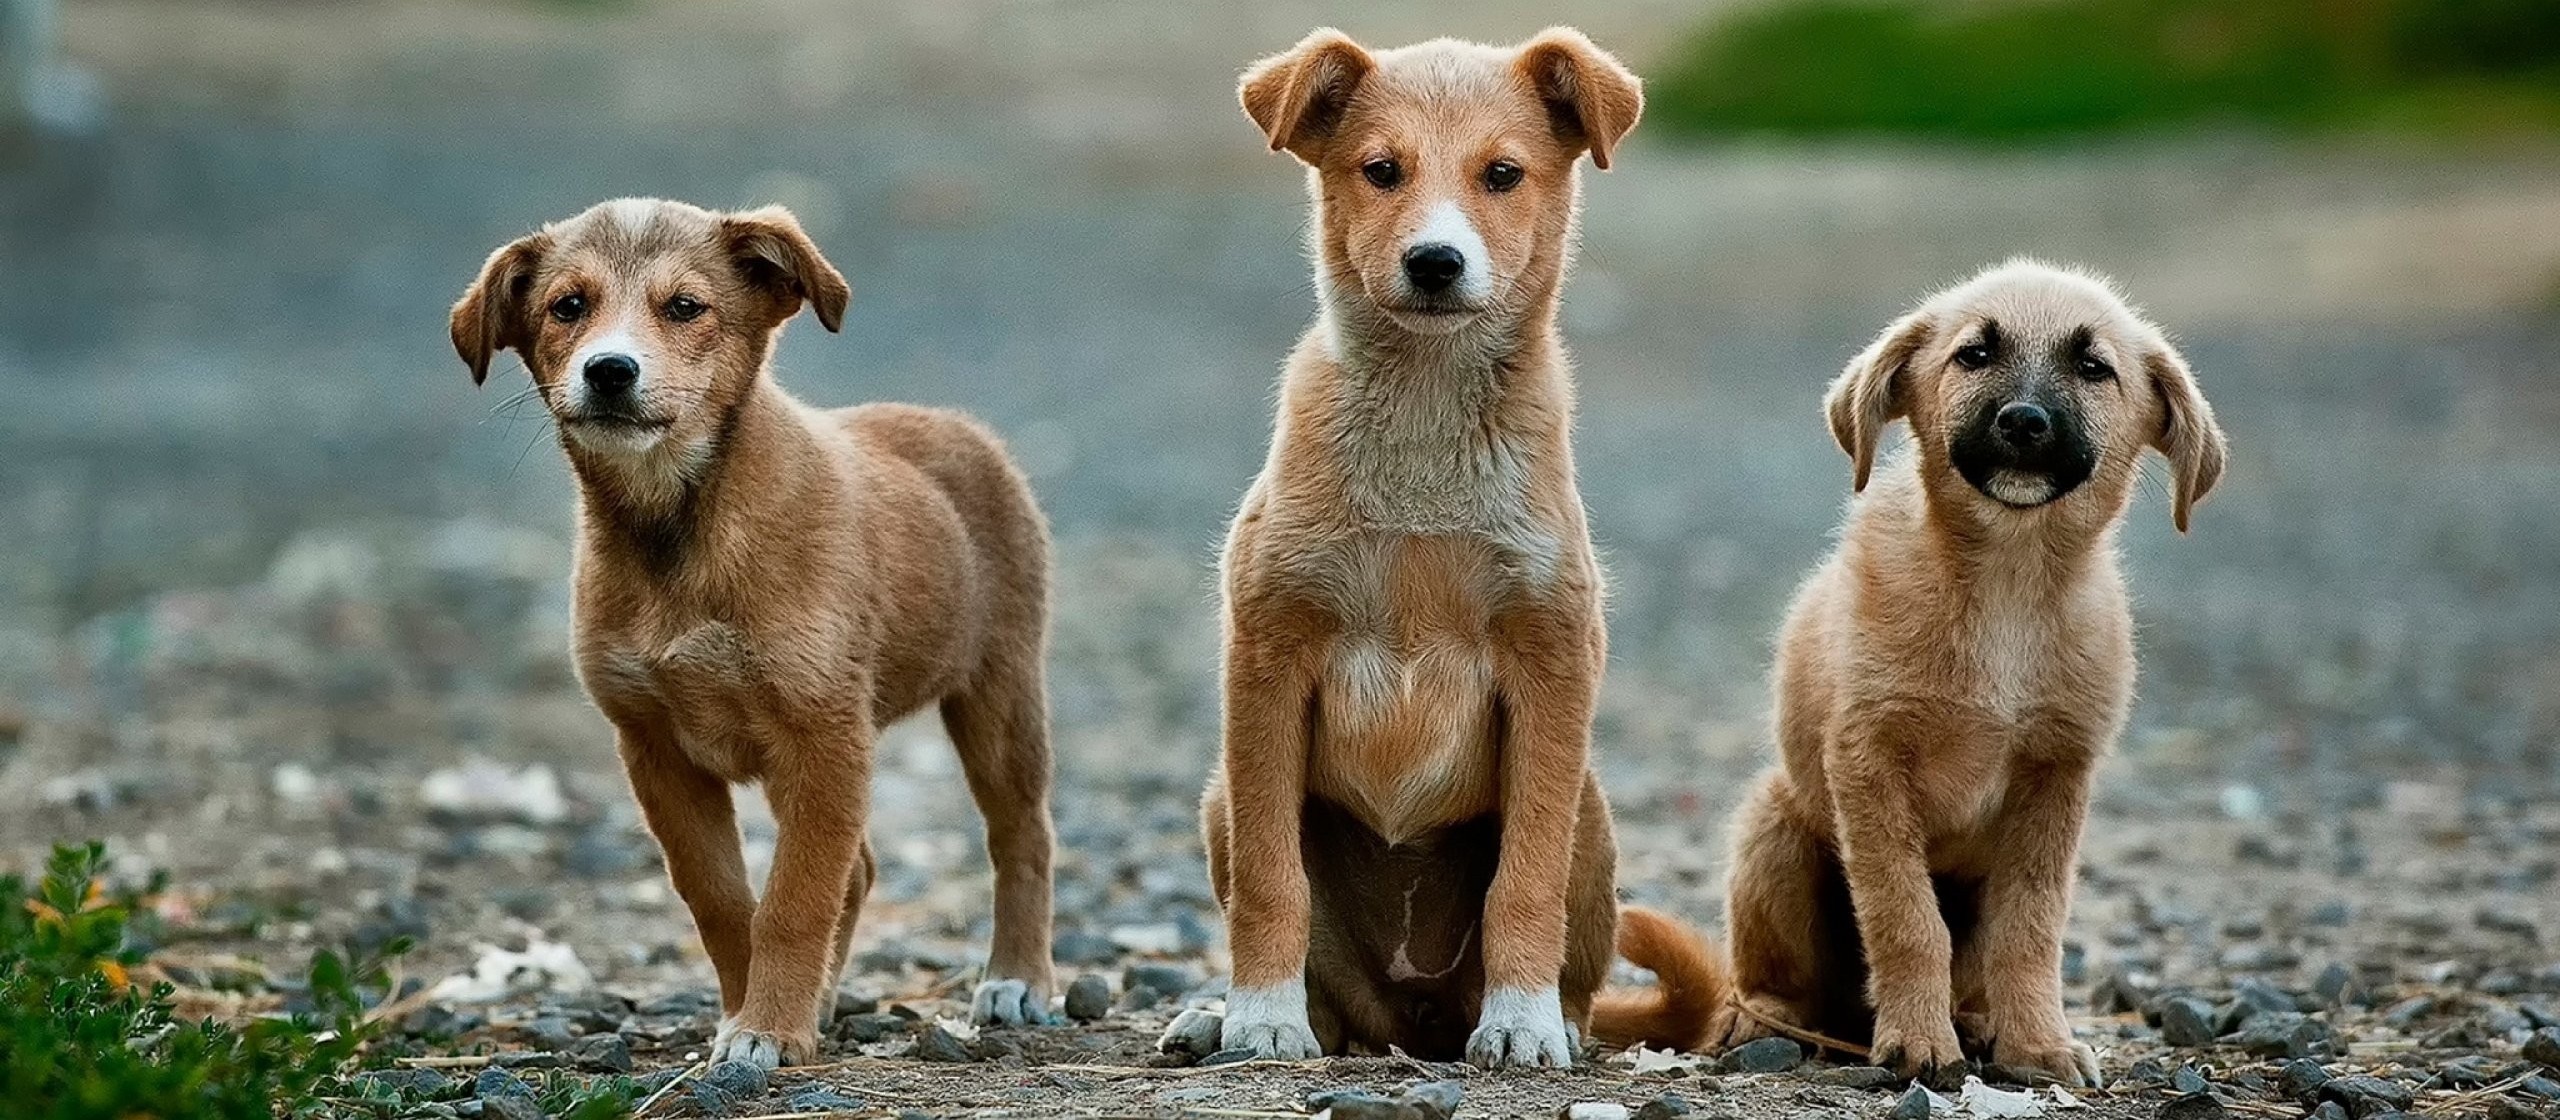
{"points": [[1271, 1022], [1008, 1003], [1522, 1028], [761, 1049]]}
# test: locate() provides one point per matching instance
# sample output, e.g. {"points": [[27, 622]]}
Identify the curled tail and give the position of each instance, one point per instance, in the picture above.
{"points": [[1689, 999]]}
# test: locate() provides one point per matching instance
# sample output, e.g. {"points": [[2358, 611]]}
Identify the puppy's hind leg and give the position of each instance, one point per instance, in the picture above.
{"points": [[1783, 922], [1001, 727], [865, 871]]}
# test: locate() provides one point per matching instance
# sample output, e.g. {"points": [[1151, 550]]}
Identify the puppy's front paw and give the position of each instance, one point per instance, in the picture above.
{"points": [[764, 1049], [1271, 1022], [1522, 1029], [1009, 1003], [2070, 1061], [1917, 1050]]}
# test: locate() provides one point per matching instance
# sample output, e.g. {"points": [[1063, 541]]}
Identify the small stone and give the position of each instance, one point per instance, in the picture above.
{"points": [[823, 1099], [2302, 1079], [2188, 1082], [1194, 1033], [738, 1079], [495, 1082], [1170, 979], [1323, 1099], [1089, 998], [2186, 1021], [1139, 998], [2469, 1072], [1229, 1056], [1086, 950], [1668, 1106], [854, 1003], [2544, 1047], [2408, 1011], [1592, 1110], [1765, 1055], [2193, 1106], [510, 1108], [1438, 1099], [2501, 1108], [551, 1032], [528, 1059], [2144, 1071], [2288, 1034], [1914, 1105], [419, 1083], [2365, 1095], [2118, 992], [2539, 1086], [1365, 1106], [940, 1045], [2516, 922], [2337, 987], [871, 1027], [2261, 996], [2329, 1110], [1857, 1077], [602, 1053]]}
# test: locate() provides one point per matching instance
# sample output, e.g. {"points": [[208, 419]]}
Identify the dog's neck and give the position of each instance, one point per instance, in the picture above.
{"points": [[655, 507], [2033, 554], [1425, 426]]}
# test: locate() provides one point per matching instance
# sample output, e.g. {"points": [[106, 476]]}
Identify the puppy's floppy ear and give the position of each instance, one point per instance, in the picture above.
{"points": [[1298, 95], [777, 255], [1592, 97], [492, 316], [1869, 394], [2188, 434]]}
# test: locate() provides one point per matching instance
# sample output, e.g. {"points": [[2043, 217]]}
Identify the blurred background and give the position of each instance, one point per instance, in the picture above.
{"points": [[283, 598]]}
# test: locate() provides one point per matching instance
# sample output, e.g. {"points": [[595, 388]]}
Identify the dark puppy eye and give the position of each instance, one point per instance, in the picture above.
{"points": [[569, 308], [1502, 175], [1975, 356], [1383, 174], [2092, 367], [684, 309]]}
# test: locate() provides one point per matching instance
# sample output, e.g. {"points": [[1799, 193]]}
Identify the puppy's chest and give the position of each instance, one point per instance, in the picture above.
{"points": [[1406, 695], [710, 684]]}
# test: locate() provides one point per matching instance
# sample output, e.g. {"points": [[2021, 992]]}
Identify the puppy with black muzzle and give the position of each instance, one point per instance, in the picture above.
{"points": [[762, 585], [1949, 678]]}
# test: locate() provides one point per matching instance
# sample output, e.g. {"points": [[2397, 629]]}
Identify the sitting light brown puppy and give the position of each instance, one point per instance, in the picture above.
{"points": [[1405, 831], [762, 585], [1949, 678]]}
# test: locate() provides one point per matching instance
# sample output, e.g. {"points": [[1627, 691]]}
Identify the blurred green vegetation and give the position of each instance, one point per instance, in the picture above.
{"points": [[2008, 71]]}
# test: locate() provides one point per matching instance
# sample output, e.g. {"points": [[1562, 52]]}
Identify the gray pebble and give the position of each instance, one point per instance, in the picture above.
{"points": [[602, 1053], [2193, 1106], [528, 1059], [1365, 1106], [2365, 1095], [500, 1083], [2408, 1011], [1195, 1032], [1088, 998], [1668, 1106], [870, 1027], [1914, 1105], [1765, 1055], [2329, 1110], [1170, 979], [743, 1079], [2543, 1087], [939, 1045], [1438, 1098], [1857, 1077], [1076, 947], [408, 1082], [823, 1099], [2188, 1082], [1229, 1056], [2286, 1034], [510, 1108], [2544, 1047], [2302, 1079], [2186, 1021]]}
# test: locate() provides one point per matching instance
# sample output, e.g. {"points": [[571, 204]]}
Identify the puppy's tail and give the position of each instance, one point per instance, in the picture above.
{"points": [[1690, 998]]}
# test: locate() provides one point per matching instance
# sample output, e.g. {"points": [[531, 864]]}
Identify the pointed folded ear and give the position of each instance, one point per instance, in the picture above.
{"points": [[1297, 96], [1592, 97], [776, 255], [1870, 393], [2189, 436], [492, 316]]}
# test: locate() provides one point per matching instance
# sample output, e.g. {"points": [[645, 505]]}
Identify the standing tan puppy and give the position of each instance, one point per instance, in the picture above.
{"points": [[1404, 830], [762, 585], [1948, 679]]}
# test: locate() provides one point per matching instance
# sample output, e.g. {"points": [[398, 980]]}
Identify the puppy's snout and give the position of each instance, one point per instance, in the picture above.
{"points": [[2025, 426], [611, 373], [1434, 268]]}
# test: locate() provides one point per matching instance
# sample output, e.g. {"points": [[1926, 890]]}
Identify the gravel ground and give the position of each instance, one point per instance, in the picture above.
{"points": [[283, 607]]}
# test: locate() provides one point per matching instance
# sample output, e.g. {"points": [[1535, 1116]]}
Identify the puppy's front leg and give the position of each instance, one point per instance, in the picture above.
{"points": [[1267, 688], [1548, 671], [689, 811], [1884, 856], [2025, 901], [818, 786]]}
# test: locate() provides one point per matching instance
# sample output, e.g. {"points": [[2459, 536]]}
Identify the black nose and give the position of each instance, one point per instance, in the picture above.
{"points": [[1432, 268], [2024, 425], [612, 373]]}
